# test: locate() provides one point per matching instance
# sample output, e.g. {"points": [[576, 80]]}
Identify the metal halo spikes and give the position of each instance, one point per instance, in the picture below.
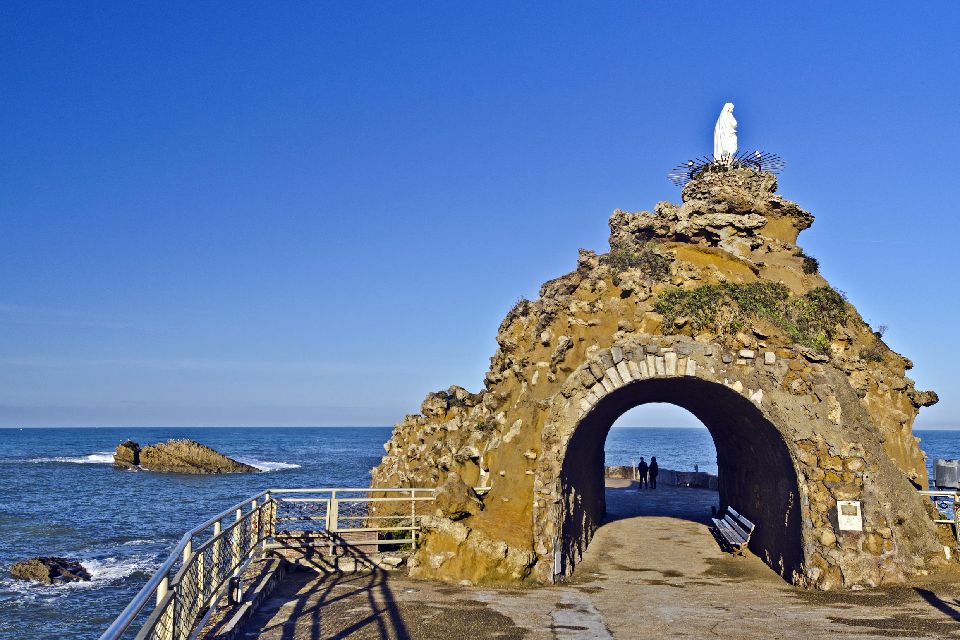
{"points": [[756, 160]]}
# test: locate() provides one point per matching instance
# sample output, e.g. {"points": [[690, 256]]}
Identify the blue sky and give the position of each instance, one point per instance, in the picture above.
{"points": [[239, 213]]}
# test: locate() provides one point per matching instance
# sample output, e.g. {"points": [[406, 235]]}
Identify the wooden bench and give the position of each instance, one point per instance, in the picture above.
{"points": [[733, 530]]}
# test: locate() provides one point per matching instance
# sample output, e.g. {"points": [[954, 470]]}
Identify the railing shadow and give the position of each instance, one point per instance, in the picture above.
{"points": [[325, 602], [951, 609]]}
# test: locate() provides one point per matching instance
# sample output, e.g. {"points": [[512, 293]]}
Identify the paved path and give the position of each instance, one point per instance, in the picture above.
{"points": [[659, 576]]}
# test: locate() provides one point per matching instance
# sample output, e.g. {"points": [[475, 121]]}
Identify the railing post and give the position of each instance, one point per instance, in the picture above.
{"points": [[166, 633], [235, 559], [956, 512], [266, 511], [187, 555], [215, 573], [413, 517], [333, 509]]}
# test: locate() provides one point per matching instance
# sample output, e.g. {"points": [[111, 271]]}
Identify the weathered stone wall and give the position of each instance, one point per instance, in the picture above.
{"points": [[801, 417]]}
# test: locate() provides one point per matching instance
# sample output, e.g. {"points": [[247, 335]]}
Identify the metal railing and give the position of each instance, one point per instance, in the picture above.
{"points": [[174, 603], [953, 500]]}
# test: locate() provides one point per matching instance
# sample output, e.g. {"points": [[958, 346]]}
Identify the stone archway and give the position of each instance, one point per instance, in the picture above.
{"points": [[756, 471], [712, 306]]}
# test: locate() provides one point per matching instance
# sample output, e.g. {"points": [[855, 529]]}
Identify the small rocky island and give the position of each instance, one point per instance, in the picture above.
{"points": [[176, 456], [50, 570]]}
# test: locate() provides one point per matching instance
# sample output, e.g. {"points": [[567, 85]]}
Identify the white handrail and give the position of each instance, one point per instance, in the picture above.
{"points": [[167, 590]]}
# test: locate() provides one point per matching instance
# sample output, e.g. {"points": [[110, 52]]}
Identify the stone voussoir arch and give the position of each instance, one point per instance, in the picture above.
{"points": [[813, 461]]}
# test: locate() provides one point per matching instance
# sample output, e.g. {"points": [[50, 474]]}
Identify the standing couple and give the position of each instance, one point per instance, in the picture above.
{"points": [[645, 471]]}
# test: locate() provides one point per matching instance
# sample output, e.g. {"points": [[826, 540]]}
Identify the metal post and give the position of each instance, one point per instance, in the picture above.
{"points": [[254, 522], [266, 511], [333, 509], [200, 580], [956, 511], [162, 589], [215, 577], [235, 559], [187, 556], [413, 517]]}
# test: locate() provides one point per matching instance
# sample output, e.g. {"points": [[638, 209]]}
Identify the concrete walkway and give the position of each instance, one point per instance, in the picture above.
{"points": [[658, 576]]}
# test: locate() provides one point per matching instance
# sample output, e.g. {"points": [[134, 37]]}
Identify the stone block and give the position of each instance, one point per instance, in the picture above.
{"points": [[634, 370], [624, 371], [727, 358], [652, 349], [659, 366], [607, 384], [769, 357], [670, 363], [644, 370], [616, 353], [614, 377], [691, 367], [596, 370], [749, 354], [651, 364]]}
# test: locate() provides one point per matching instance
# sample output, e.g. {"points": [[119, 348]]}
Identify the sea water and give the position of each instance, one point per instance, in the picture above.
{"points": [[61, 496]]}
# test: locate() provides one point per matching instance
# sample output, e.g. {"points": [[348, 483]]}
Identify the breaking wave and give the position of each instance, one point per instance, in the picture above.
{"points": [[103, 572], [100, 457], [264, 465]]}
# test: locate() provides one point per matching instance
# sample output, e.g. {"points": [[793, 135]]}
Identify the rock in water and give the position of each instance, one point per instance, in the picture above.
{"points": [[50, 570], [176, 456], [127, 455]]}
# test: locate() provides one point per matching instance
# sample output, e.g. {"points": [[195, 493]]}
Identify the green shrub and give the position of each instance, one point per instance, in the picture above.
{"points": [[651, 263], [810, 264], [726, 308]]}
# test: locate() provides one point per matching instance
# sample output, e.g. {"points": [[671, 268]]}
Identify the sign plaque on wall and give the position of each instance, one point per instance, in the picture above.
{"points": [[849, 515]]}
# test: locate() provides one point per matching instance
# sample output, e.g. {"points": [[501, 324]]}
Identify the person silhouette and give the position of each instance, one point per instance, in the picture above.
{"points": [[653, 470], [642, 469]]}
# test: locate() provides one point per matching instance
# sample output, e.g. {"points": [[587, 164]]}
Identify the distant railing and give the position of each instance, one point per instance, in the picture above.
{"points": [[176, 600], [946, 501]]}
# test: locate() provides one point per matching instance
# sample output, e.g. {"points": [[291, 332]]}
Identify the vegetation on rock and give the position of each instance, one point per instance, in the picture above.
{"points": [[726, 308], [810, 264], [654, 265]]}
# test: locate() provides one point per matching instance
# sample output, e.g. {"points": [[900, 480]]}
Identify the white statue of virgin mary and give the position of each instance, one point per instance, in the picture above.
{"points": [[725, 135]]}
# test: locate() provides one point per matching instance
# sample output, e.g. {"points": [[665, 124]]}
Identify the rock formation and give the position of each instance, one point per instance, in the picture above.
{"points": [[50, 570], [712, 306], [176, 456]]}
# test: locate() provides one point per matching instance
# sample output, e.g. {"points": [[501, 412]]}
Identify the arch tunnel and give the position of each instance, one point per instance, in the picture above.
{"points": [[756, 472]]}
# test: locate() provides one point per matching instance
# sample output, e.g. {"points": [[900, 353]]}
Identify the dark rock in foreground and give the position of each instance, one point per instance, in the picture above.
{"points": [[50, 570], [176, 456]]}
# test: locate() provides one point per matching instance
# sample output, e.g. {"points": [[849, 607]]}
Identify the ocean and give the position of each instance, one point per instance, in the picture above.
{"points": [[62, 497]]}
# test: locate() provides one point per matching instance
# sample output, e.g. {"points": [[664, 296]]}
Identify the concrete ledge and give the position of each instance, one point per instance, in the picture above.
{"points": [[228, 621]]}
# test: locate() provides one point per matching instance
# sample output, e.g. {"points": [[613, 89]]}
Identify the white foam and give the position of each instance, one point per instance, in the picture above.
{"points": [[113, 569], [138, 542], [264, 465], [100, 457]]}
